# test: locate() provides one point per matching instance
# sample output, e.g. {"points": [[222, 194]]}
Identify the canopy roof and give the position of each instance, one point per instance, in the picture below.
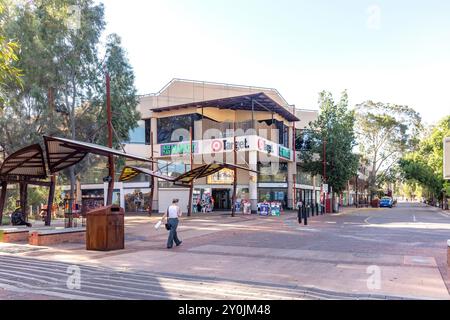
{"points": [[26, 162], [186, 178], [63, 153], [262, 103]]}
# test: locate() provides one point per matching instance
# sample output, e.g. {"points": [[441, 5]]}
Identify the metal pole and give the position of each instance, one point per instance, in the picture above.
{"points": [[51, 195], [356, 187], [233, 198], [110, 141], [4, 186], [152, 179], [191, 187]]}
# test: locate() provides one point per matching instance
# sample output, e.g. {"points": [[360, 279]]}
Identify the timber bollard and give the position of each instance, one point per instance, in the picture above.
{"points": [[299, 214], [305, 218]]}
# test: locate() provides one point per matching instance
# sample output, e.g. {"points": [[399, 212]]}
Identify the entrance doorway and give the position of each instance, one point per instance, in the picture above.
{"points": [[221, 199]]}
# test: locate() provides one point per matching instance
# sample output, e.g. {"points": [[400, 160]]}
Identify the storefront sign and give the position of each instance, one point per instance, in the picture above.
{"points": [[227, 144], [224, 176], [178, 148], [284, 152], [242, 143]]}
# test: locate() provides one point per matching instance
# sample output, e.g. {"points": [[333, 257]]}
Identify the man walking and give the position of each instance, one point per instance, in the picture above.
{"points": [[173, 213]]}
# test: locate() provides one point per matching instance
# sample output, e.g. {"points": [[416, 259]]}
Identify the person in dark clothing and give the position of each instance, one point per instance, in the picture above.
{"points": [[18, 220]]}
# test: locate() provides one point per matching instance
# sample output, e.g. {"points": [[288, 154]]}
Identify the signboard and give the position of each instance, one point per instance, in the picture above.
{"points": [[447, 158], [178, 148], [325, 188], [284, 152], [222, 145], [224, 176]]}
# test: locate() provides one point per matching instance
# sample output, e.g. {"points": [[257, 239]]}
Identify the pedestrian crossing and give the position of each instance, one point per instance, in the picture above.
{"points": [[50, 278]]}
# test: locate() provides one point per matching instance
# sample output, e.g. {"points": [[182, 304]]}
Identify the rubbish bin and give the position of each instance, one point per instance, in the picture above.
{"points": [[105, 229]]}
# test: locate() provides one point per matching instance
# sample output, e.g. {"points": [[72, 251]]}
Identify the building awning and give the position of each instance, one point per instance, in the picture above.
{"points": [[63, 153], [26, 162], [186, 178], [261, 102]]}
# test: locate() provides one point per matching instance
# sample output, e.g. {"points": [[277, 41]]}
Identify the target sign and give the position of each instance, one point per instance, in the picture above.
{"points": [[216, 145]]}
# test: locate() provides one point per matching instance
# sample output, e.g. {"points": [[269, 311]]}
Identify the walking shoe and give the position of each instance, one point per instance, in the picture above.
{"points": [[169, 247], [179, 243]]}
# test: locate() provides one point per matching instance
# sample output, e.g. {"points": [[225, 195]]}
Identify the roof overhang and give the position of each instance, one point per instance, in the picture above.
{"points": [[27, 162], [63, 153], [257, 102]]}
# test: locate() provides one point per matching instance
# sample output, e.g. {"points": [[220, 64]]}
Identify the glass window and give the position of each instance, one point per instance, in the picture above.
{"points": [[268, 174], [182, 123], [137, 135]]}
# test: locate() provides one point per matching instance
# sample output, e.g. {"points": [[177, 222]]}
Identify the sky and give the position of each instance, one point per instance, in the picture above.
{"points": [[388, 51]]}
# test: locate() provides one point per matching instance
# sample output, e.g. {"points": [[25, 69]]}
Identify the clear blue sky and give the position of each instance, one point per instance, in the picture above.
{"points": [[390, 51]]}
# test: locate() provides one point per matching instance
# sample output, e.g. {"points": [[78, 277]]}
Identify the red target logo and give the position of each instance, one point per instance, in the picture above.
{"points": [[260, 144], [216, 145]]}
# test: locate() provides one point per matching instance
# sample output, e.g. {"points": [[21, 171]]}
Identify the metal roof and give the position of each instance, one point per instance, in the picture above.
{"points": [[63, 153], [186, 178], [27, 162], [244, 102]]}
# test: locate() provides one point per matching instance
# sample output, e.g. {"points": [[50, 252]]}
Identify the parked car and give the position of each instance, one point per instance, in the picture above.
{"points": [[386, 202]]}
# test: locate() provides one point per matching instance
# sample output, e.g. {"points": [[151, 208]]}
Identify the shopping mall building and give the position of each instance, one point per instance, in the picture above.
{"points": [[189, 123]]}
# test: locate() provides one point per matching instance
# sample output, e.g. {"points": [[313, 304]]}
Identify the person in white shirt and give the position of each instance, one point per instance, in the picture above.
{"points": [[173, 213]]}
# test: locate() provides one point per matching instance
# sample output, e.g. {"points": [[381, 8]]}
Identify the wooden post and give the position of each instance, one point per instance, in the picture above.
{"points": [[110, 139], [152, 179], [233, 198], [191, 186], [51, 195], [4, 186]]}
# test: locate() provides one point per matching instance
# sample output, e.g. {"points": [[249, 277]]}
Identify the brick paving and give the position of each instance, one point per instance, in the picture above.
{"points": [[248, 256]]}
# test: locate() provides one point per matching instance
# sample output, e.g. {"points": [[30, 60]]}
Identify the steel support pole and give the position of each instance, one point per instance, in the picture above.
{"points": [[191, 186], [110, 140], [152, 179], [233, 198]]}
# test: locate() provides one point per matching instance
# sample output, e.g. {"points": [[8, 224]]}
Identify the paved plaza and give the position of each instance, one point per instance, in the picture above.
{"points": [[357, 254]]}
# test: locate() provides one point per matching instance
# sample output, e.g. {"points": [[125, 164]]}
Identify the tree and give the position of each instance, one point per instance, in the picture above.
{"points": [[63, 75], [425, 165], [9, 74], [335, 125], [385, 133]]}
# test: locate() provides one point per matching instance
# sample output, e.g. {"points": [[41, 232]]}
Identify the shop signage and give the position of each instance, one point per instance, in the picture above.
{"points": [[264, 145], [224, 176], [178, 148], [284, 152], [227, 145]]}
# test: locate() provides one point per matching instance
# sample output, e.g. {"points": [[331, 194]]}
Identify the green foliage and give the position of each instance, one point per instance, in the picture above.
{"points": [[9, 74], [425, 165], [385, 133], [63, 91], [335, 126]]}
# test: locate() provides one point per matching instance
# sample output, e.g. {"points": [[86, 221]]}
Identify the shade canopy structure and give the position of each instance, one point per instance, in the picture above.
{"points": [[130, 172], [27, 162], [256, 102], [63, 153]]}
